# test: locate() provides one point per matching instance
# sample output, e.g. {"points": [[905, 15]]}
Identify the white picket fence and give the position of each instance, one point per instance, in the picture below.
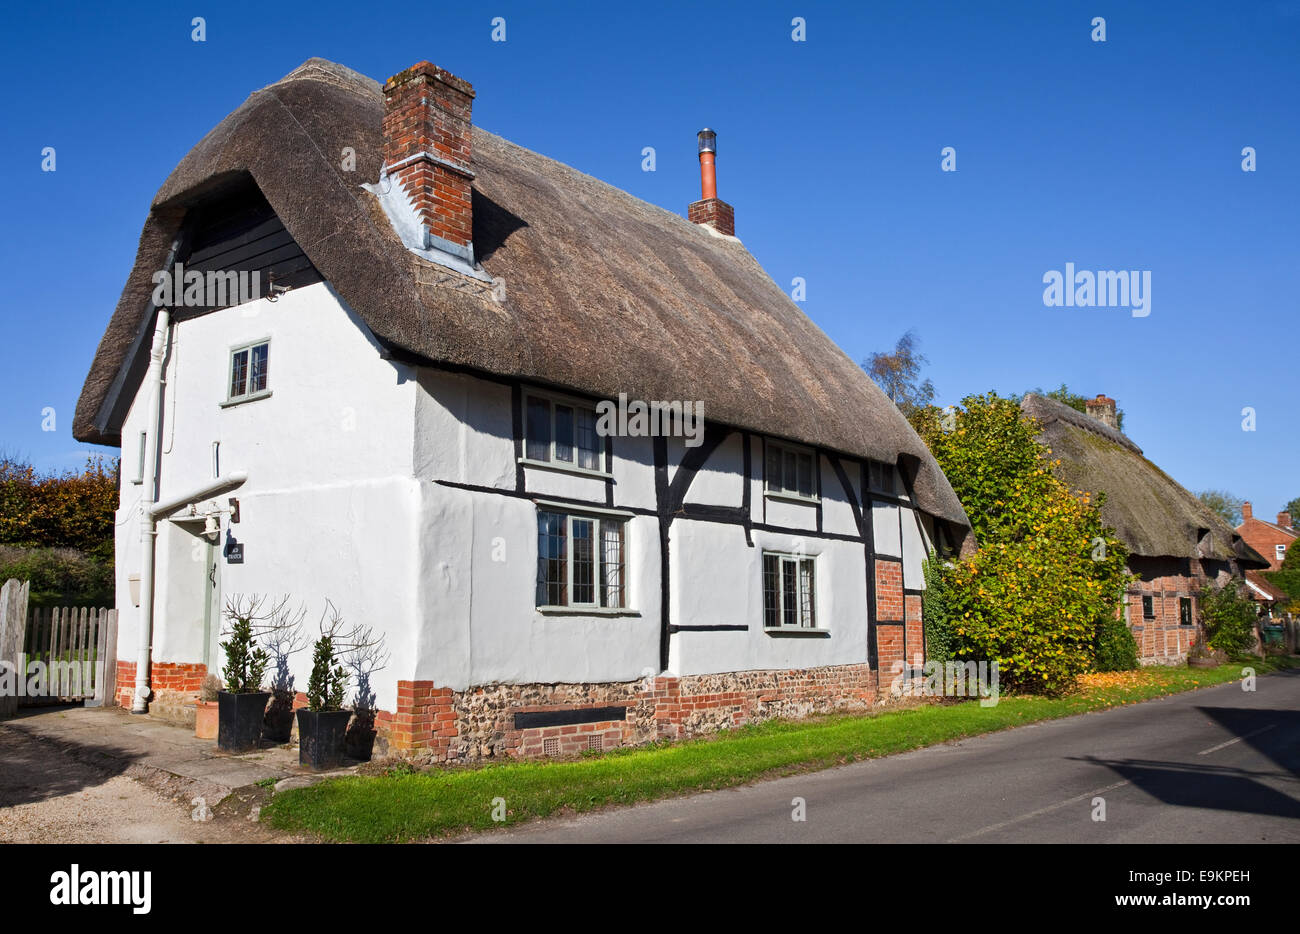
{"points": [[58, 654], [74, 644]]}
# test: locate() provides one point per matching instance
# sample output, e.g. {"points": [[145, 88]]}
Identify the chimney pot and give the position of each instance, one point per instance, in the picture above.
{"points": [[709, 210]]}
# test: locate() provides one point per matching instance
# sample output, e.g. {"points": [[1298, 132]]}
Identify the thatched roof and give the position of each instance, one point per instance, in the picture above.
{"points": [[604, 293], [1152, 514]]}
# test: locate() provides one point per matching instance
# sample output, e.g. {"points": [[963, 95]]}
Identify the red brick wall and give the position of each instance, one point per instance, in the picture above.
{"points": [[1163, 640], [915, 631], [889, 590], [1265, 538], [172, 677], [125, 687], [889, 651], [424, 719]]}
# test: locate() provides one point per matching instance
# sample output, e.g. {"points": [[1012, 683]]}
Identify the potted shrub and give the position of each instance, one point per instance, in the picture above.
{"points": [[323, 723], [241, 707], [205, 709]]}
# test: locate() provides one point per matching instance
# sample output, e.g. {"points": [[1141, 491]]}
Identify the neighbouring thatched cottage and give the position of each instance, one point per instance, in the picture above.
{"points": [[405, 412], [1175, 542]]}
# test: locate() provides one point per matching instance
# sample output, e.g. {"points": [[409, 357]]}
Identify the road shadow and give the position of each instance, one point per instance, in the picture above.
{"points": [[1200, 783], [36, 769], [1274, 734]]}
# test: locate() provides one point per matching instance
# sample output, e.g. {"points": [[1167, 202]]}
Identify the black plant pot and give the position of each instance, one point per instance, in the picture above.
{"points": [[239, 720], [320, 737], [277, 727]]}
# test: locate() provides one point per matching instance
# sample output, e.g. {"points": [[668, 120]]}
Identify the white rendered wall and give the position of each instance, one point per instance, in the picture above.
{"points": [[353, 464], [327, 509]]}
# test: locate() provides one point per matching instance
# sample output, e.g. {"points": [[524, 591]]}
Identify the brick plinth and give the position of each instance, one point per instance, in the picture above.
{"points": [[439, 724], [175, 687]]}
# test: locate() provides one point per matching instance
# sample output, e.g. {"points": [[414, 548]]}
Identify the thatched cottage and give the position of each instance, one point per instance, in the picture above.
{"points": [[405, 416], [1175, 542]]}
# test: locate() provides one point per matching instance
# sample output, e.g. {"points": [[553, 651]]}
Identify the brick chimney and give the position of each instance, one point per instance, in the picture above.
{"points": [[1102, 409], [1284, 519], [1246, 512], [709, 210], [427, 152]]}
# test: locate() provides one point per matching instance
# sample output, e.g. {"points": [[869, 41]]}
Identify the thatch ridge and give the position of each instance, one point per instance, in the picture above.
{"points": [[1152, 514]]}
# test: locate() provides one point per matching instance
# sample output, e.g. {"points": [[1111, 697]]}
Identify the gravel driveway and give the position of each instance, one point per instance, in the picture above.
{"points": [[47, 796]]}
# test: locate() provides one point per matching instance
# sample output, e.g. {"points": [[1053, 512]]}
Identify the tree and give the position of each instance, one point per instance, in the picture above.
{"points": [[1287, 576], [68, 510], [897, 374], [1227, 505], [1046, 582], [1229, 617]]}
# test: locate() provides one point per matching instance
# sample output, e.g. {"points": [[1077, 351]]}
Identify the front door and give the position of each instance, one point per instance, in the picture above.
{"points": [[211, 606]]}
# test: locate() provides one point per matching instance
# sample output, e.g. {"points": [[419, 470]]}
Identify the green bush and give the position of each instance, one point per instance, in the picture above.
{"points": [[1114, 648], [1048, 576], [940, 639], [67, 510], [1229, 617], [1287, 578], [59, 576]]}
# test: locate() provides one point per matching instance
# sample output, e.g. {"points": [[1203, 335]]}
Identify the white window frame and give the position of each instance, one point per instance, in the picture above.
{"points": [[1279, 551], [783, 558], [231, 397], [596, 517], [781, 492], [551, 462]]}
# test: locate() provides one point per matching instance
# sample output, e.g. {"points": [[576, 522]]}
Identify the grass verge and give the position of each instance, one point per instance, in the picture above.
{"points": [[403, 806]]}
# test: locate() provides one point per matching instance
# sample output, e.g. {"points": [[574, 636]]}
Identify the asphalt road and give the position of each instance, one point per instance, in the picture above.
{"points": [[1219, 765]]}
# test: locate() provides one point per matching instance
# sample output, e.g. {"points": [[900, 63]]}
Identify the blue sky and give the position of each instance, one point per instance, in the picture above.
{"points": [[1117, 155]]}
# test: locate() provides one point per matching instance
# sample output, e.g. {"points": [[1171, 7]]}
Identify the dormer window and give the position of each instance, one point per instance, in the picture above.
{"points": [[561, 433], [789, 471], [880, 478]]}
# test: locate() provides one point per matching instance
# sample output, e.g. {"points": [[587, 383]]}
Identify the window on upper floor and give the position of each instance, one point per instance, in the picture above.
{"points": [[581, 560], [249, 371], [1148, 608], [1280, 551], [880, 478], [789, 471], [562, 433], [789, 591]]}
